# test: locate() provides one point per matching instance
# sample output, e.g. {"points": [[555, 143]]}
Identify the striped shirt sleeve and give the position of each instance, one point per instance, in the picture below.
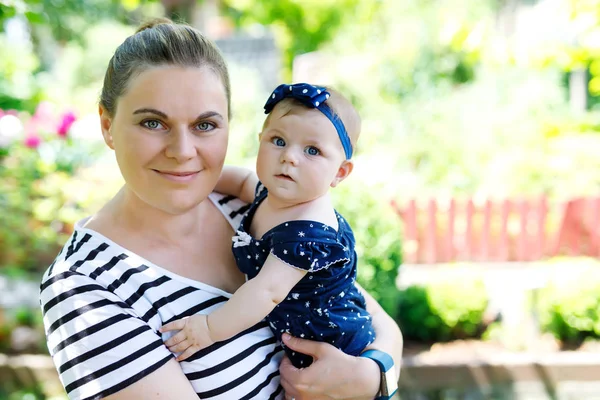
{"points": [[97, 342]]}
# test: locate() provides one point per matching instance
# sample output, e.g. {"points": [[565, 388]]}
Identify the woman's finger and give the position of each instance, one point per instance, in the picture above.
{"points": [[304, 346], [285, 368]]}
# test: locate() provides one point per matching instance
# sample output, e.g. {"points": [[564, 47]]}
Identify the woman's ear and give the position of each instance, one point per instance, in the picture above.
{"points": [[105, 125], [343, 171]]}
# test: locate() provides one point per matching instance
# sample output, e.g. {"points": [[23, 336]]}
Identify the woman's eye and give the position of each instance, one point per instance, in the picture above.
{"points": [[277, 141], [312, 151], [205, 126], [152, 124]]}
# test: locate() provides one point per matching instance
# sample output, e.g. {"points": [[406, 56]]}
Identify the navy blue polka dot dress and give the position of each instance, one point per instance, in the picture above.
{"points": [[325, 305]]}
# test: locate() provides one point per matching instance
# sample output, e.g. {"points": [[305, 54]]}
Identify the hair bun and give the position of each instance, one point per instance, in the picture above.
{"points": [[152, 23]]}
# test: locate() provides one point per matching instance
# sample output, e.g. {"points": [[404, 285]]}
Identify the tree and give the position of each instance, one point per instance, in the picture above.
{"points": [[300, 26]]}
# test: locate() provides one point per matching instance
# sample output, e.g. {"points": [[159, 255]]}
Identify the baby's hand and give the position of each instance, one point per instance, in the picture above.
{"points": [[194, 335]]}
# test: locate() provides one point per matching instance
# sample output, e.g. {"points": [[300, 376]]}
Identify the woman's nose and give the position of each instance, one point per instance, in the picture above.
{"points": [[181, 145]]}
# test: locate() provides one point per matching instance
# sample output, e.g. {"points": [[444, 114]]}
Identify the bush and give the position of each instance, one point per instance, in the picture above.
{"points": [[443, 311], [570, 309], [378, 239], [39, 192]]}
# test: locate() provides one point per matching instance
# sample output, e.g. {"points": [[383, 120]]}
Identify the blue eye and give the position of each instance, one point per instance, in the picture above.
{"points": [[205, 126], [312, 151], [152, 124], [277, 141]]}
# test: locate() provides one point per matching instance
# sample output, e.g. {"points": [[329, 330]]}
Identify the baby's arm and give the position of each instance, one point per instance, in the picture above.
{"points": [[252, 302], [237, 181]]}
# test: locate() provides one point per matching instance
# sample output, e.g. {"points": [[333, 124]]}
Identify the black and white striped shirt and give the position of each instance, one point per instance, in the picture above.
{"points": [[103, 306]]}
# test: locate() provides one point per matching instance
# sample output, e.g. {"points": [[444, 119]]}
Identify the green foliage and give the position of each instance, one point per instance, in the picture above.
{"points": [[442, 311], [378, 243], [29, 319], [11, 392], [448, 111], [18, 88], [570, 309], [300, 26], [65, 19]]}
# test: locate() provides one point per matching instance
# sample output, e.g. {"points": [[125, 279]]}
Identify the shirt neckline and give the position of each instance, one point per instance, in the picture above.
{"points": [[200, 285]]}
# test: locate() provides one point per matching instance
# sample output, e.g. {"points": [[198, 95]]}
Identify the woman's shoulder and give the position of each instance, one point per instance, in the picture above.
{"points": [[69, 255], [232, 208], [89, 253]]}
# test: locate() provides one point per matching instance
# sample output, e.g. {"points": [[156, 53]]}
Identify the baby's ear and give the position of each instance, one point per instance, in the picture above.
{"points": [[343, 171]]}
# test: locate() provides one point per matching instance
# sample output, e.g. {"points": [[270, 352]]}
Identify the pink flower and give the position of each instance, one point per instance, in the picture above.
{"points": [[65, 124], [32, 141], [44, 112]]}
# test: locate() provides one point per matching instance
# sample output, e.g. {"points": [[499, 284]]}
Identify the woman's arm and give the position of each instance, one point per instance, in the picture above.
{"points": [[336, 375], [237, 181], [388, 335], [153, 386], [100, 347]]}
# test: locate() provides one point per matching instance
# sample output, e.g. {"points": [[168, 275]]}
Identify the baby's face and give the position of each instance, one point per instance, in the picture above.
{"points": [[300, 155]]}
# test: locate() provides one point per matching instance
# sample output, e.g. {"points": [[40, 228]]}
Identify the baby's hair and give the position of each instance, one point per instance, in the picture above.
{"points": [[160, 42], [340, 105]]}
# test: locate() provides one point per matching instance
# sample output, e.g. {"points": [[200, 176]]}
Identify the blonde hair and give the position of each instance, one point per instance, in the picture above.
{"points": [[340, 106], [155, 43]]}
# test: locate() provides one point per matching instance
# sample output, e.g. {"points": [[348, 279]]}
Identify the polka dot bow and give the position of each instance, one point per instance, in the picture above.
{"points": [[309, 95], [312, 97]]}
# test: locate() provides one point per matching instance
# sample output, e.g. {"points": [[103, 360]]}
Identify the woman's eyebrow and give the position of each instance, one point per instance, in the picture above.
{"points": [[151, 111], [204, 115], [209, 114]]}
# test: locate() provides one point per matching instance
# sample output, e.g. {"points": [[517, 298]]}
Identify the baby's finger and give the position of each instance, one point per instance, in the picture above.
{"points": [[175, 339], [189, 351], [179, 347], [171, 326]]}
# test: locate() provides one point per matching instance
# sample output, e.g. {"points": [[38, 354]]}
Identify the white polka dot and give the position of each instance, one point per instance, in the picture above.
{"points": [[327, 96], [317, 103], [318, 91], [305, 91], [273, 96], [290, 88]]}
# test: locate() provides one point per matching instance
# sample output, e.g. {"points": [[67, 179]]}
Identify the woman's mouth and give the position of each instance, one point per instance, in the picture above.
{"points": [[178, 176]]}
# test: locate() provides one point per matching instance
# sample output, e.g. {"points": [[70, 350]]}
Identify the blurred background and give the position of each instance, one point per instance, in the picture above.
{"points": [[474, 198]]}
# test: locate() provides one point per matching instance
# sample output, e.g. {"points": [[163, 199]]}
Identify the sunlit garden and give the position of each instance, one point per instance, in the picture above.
{"points": [[465, 102]]}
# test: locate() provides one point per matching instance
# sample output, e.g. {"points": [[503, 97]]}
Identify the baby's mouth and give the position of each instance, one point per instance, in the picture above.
{"points": [[284, 176]]}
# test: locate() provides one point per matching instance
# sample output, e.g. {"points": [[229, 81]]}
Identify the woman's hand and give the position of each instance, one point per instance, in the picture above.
{"points": [[332, 375]]}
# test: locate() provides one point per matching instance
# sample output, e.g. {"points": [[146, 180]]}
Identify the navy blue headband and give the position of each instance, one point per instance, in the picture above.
{"points": [[312, 97]]}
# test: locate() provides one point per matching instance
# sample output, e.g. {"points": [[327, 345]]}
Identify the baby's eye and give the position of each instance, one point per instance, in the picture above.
{"points": [[277, 141], [152, 124], [312, 151]]}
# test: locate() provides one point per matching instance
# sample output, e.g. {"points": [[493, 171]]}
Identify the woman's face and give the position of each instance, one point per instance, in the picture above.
{"points": [[169, 134]]}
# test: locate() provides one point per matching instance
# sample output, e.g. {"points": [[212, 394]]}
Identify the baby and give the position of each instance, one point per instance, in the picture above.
{"points": [[296, 250]]}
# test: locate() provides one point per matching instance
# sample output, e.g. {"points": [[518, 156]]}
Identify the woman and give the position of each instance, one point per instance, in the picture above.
{"points": [[160, 250]]}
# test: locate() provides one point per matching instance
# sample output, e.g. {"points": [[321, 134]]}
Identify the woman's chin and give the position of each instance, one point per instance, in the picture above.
{"points": [[179, 203]]}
